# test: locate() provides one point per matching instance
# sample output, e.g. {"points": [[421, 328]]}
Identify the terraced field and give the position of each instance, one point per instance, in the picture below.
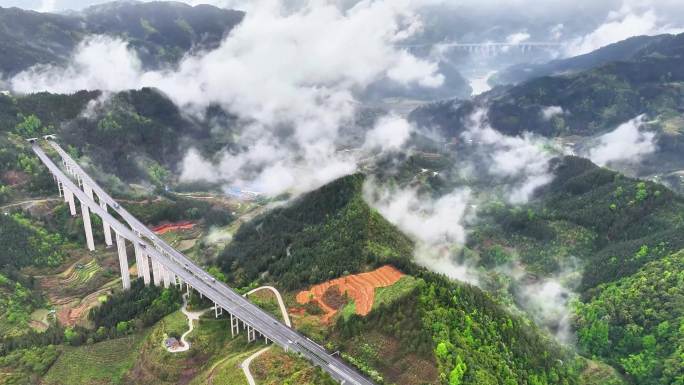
{"points": [[101, 363], [359, 287], [77, 289]]}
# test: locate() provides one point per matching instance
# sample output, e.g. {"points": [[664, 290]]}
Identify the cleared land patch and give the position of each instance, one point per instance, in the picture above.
{"points": [[360, 288]]}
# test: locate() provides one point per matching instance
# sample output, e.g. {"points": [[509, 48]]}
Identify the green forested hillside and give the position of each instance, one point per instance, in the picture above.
{"points": [[637, 322], [26, 244], [612, 223], [473, 339], [595, 100], [629, 49], [592, 102], [332, 231], [160, 32], [322, 235], [135, 135]]}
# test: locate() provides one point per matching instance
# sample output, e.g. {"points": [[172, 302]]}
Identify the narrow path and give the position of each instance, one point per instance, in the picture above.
{"points": [[192, 316], [30, 201], [245, 365], [281, 303]]}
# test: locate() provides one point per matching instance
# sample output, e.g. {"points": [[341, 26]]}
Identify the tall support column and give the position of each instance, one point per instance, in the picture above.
{"points": [[87, 225], [138, 259], [166, 274], [65, 194], [156, 273], [234, 326], [123, 261], [59, 188], [69, 198], [106, 227], [146, 268], [251, 334]]}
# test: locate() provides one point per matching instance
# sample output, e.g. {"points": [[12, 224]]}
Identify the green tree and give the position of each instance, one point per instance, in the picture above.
{"points": [[595, 337], [456, 375], [641, 192], [30, 126], [122, 327]]}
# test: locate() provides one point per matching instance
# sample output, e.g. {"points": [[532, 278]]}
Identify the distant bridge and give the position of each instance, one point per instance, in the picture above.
{"points": [[490, 48], [160, 264]]}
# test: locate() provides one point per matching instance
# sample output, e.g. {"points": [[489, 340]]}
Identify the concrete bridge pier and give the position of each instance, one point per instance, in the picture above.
{"points": [[69, 198], [166, 274], [251, 334], [59, 188], [146, 268], [234, 326], [105, 226], [88, 226], [123, 261], [156, 273], [217, 310], [138, 259]]}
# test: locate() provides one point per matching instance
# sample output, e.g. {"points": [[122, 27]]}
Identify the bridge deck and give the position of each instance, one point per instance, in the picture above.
{"points": [[197, 278]]}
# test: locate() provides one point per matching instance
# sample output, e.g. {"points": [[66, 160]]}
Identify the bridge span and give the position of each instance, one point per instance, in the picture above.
{"points": [[160, 264]]}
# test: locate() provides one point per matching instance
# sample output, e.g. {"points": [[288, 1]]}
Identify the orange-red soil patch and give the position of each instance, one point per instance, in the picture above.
{"points": [[358, 287], [165, 228]]}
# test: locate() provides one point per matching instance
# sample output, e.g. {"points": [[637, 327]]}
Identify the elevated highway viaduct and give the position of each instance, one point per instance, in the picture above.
{"points": [[159, 263]]}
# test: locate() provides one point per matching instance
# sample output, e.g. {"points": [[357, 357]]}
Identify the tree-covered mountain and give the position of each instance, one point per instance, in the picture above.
{"points": [[332, 232], [611, 222], [582, 106], [160, 32], [626, 50], [324, 234], [593, 101]]}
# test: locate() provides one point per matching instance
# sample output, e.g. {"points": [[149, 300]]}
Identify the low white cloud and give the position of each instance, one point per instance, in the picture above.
{"points": [[408, 66], [99, 62], [549, 112], [627, 144], [626, 22], [522, 161], [290, 73], [517, 38], [557, 31], [389, 133], [437, 225], [548, 301]]}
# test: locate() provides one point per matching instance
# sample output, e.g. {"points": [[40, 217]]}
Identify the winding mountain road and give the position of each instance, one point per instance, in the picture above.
{"points": [[245, 365], [281, 303], [192, 316]]}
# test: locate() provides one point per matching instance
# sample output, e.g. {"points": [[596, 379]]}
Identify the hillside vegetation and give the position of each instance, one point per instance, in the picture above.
{"points": [[637, 322], [159, 32], [612, 223], [467, 335], [322, 235]]}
